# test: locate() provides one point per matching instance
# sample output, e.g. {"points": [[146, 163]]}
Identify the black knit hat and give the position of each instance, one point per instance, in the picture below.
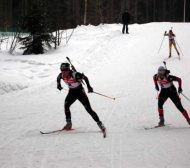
{"points": [[65, 67]]}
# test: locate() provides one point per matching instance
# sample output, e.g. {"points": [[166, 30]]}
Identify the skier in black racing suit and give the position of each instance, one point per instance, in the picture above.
{"points": [[168, 90], [76, 92]]}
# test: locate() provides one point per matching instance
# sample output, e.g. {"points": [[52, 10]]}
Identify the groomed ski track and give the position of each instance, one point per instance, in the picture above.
{"points": [[120, 66]]}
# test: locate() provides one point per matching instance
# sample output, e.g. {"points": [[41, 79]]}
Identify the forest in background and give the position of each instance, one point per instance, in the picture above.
{"points": [[64, 14]]}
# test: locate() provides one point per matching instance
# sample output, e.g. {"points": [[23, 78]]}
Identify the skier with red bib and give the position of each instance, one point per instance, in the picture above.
{"points": [[76, 92], [168, 90]]}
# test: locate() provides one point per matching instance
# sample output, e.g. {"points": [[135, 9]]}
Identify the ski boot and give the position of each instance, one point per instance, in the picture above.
{"points": [[178, 53], [101, 126], [68, 126], [170, 55], [161, 123]]}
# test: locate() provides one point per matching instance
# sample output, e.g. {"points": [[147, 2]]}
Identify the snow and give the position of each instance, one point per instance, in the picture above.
{"points": [[118, 65]]}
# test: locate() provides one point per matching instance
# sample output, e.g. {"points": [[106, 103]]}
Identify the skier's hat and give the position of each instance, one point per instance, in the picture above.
{"points": [[161, 70], [65, 67]]}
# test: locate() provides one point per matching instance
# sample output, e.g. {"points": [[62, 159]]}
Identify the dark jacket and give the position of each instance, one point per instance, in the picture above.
{"points": [[126, 17]]}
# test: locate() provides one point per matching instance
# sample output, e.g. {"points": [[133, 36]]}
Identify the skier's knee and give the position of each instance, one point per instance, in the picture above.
{"points": [[160, 105], [67, 106], [180, 107]]}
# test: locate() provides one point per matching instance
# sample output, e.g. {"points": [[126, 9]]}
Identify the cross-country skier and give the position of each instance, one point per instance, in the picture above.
{"points": [[168, 90], [171, 37], [76, 92]]}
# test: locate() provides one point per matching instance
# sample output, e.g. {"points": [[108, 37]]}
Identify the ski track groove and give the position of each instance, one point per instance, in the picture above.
{"points": [[22, 130]]}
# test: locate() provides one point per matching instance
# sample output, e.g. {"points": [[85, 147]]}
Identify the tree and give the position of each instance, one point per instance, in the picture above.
{"points": [[39, 37], [85, 12]]}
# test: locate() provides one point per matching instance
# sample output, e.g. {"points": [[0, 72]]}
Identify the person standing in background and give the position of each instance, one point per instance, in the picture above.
{"points": [[125, 21]]}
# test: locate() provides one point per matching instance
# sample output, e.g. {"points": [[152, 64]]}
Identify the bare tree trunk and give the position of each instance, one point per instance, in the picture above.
{"points": [[136, 10], [111, 11], [164, 10], [147, 10], [85, 12], [99, 4], [154, 10]]}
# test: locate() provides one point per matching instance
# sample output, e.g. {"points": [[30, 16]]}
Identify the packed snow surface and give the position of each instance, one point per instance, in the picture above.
{"points": [[118, 65]]}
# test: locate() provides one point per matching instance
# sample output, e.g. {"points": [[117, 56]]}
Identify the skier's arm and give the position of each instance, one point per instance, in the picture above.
{"points": [[59, 87], [179, 83], [177, 79], [155, 82], [80, 76], [90, 89]]}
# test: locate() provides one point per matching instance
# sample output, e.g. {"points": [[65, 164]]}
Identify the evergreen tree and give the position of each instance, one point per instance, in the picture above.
{"points": [[39, 38]]}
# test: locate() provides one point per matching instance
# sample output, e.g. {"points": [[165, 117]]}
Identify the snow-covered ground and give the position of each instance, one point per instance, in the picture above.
{"points": [[118, 65]]}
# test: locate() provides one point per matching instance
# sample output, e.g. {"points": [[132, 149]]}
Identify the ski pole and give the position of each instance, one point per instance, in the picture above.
{"points": [[185, 96], [179, 47], [162, 42], [103, 95]]}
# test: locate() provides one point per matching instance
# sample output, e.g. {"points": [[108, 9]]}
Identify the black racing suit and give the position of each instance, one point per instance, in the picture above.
{"points": [[76, 92], [168, 90]]}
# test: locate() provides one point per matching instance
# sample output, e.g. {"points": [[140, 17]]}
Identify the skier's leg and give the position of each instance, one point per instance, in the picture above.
{"points": [[170, 48], [82, 97], [175, 47], [69, 100], [161, 100], [85, 101], [176, 100]]}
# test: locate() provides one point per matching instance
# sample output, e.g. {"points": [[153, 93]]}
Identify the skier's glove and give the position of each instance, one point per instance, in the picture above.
{"points": [[59, 87], [180, 90], [156, 87], [90, 89]]}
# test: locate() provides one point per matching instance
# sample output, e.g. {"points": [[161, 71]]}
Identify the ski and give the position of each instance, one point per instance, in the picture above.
{"points": [[50, 132], [60, 130], [157, 126]]}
